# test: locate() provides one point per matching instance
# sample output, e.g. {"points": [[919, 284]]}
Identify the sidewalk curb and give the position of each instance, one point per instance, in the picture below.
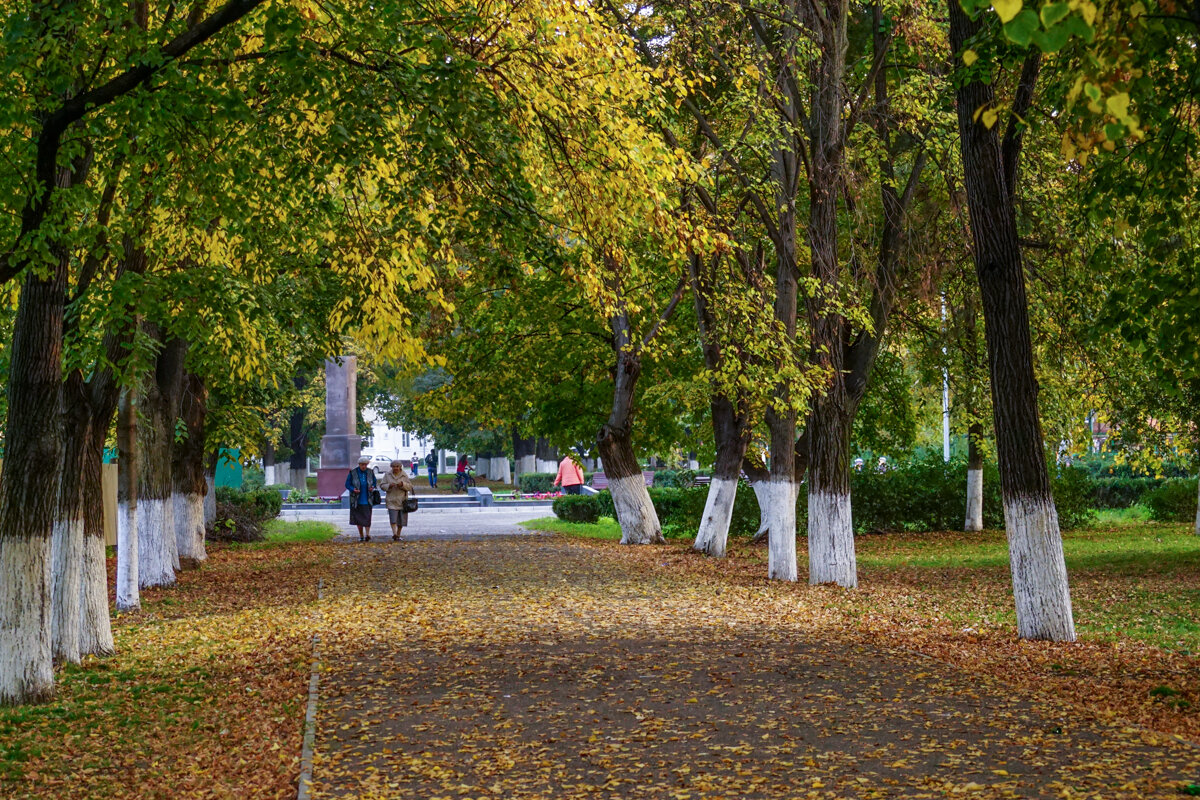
{"points": [[304, 788]]}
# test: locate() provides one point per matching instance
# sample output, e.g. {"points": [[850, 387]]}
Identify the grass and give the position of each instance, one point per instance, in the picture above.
{"points": [[279, 532], [606, 528]]}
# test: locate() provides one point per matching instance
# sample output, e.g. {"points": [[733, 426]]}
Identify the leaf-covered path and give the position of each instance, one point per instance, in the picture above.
{"points": [[537, 667]]}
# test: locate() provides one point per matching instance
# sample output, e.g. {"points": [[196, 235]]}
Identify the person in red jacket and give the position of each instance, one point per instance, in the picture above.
{"points": [[570, 476]]}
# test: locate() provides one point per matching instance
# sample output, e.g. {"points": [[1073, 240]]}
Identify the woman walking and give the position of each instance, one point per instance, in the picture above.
{"points": [[361, 482], [396, 486]]}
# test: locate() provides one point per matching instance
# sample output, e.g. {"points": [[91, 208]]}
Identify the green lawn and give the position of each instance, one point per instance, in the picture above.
{"points": [[279, 532], [606, 528]]}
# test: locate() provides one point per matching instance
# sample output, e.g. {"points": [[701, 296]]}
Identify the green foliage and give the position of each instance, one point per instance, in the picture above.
{"points": [[577, 508], [674, 478], [1073, 497], [1173, 501], [262, 503], [536, 482], [1121, 492], [253, 478]]}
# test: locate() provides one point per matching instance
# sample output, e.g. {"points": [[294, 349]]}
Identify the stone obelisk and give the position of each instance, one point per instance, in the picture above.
{"points": [[340, 446]]}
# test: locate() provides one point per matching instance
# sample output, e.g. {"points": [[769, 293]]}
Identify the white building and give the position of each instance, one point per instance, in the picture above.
{"points": [[398, 443]]}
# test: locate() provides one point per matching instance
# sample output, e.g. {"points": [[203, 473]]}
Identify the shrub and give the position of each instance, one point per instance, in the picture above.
{"points": [[577, 508], [235, 522], [253, 477], [536, 482], [1173, 501], [1121, 492], [673, 478], [1073, 492], [263, 504], [605, 501]]}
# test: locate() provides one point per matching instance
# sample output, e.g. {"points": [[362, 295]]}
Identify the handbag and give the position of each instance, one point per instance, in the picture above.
{"points": [[375, 498], [410, 503]]}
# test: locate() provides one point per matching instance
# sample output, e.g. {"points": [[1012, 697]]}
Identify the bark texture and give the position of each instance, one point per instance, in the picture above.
{"points": [[1039, 572], [33, 439], [974, 518], [128, 566], [187, 468], [157, 548], [95, 627]]}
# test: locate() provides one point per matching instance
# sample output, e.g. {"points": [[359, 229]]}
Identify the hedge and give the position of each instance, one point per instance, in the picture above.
{"points": [[577, 508], [240, 515], [536, 482], [1173, 501], [1121, 492], [919, 496], [674, 478]]}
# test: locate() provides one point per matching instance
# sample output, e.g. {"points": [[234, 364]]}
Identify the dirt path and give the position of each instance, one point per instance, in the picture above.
{"points": [[540, 668]]}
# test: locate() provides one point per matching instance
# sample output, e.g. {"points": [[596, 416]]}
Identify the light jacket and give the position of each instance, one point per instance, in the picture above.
{"points": [[395, 489], [569, 473]]}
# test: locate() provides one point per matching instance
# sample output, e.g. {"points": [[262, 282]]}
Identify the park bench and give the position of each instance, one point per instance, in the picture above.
{"points": [[701, 480], [600, 480]]}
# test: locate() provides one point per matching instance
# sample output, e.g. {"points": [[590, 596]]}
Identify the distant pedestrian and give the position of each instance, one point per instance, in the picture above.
{"points": [[431, 462], [396, 486], [361, 482], [570, 475], [416, 466]]}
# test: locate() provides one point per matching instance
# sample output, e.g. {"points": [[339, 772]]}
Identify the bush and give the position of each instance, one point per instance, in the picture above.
{"points": [[1173, 501], [240, 515], [1121, 492], [253, 477], [577, 508], [680, 510], [235, 522], [536, 482], [1073, 496], [674, 478]]}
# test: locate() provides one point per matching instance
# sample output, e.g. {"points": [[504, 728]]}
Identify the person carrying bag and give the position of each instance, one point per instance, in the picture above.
{"points": [[364, 491], [398, 491]]}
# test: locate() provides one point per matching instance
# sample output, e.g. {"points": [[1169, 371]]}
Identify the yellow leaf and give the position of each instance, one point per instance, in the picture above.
{"points": [[989, 118], [969, 57], [1007, 9]]}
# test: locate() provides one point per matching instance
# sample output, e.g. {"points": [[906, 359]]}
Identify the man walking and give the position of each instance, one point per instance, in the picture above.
{"points": [[431, 461]]}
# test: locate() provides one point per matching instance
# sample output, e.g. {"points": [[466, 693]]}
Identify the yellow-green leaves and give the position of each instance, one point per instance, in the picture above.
{"points": [[1007, 9]]}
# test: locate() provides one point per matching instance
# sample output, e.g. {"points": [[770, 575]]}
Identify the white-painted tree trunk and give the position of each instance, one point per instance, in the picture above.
{"points": [[269, 475], [95, 627], [547, 466], [26, 665], [780, 518], [831, 557], [1196, 530], [718, 510], [1039, 571], [156, 543], [66, 547], [502, 470], [128, 568], [189, 528], [974, 521], [210, 502], [526, 465], [762, 493], [635, 511]]}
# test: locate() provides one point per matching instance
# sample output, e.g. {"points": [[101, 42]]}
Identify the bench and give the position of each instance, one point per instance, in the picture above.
{"points": [[701, 480], [600, 480]]}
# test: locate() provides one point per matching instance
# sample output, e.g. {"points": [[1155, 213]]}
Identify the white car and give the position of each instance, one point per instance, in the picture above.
{"points": [[380, 463]]}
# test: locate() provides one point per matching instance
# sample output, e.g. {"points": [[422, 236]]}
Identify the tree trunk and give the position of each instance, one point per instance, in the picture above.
{"points": [[831, 554], [634, 509], [157, 549], [731, 435], [1196, 530], [500, 469], [298, 442], [269, 463], [33, 449], [188, 474], [524, 454], [95, 626], [1040, 588], [67, 541], [974, 520], [128, 468], [547, 456]]}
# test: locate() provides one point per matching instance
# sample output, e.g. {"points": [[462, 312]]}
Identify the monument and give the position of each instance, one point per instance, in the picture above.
{"points": [[340, 446]]}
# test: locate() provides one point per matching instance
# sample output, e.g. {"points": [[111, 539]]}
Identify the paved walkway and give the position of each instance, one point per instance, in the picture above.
{"points": [[536, 667], [451, 523]]}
